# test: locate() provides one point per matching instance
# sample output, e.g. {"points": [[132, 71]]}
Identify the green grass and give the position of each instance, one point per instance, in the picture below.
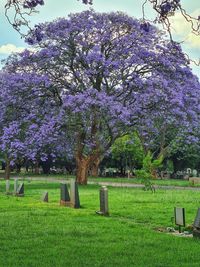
{"points": [[33, 233], [168, 182], [173, 182]]}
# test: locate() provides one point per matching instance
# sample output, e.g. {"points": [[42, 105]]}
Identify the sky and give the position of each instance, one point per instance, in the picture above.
{"points": [[10, 40]]}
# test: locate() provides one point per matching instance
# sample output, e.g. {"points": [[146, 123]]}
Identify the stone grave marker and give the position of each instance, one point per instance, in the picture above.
{"points": [[74, 194], [196, 225], [7, 186], [103, 195], [45, 197], [15, 185], [194, 173], [20, 190], [64, 195], [179, 214], [189, 171]]}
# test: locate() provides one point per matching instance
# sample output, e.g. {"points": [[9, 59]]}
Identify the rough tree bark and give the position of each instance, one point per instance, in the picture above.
{"points": [[95, 167], [83, 164], [82, 167], [37, 169], [85, 161]]}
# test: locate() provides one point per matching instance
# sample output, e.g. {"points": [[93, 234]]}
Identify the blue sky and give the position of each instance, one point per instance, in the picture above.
{"points": [[10, 40]]}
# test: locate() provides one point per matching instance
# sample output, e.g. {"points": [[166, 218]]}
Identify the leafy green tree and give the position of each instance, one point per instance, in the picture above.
{"points": [[151, 165], [128, 152]]}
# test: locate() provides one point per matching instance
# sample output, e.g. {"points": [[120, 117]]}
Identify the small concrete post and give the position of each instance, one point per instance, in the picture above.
{"points": [[103, 195], [45, 197], [74, 194], [64, 195], [179, 214], [196, 225], [15, 185], [104, 200], [20, 190], [7, 186]]}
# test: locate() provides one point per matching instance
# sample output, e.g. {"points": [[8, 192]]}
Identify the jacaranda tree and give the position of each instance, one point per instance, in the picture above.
{"points": [[102, 73], [28, 131], [175, 122]]}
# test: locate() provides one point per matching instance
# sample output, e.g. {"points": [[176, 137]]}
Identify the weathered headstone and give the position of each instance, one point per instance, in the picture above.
{"points": [[189, 171], [74, 194], [194, 172], [186, 177], [179, 214], [196, 225], [64, 195], [15, 185], [7, 186], [103, 194], [20, 190], [45, 197]]}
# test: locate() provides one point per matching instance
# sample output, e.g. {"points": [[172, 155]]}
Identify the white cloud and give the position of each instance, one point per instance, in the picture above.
{"points": [[182, 30], [10, 48], [193, 41]]}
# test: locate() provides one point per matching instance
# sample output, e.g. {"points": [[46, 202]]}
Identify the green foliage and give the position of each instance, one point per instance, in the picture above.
{"points": [[169, 166], [150, 165], [147, 162], [142, 174], [186, 153], [128, 150], [148, 172], [146, 179]]}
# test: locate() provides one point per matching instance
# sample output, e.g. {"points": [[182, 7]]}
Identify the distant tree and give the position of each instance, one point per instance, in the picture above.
{"points": [[128, 152], [28, 131], [184, 152], [168, 128]]}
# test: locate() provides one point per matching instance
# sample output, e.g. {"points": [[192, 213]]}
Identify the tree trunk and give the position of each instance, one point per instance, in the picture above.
{"points": [[82, 165], [7, 169], [37, 169], [177, 163], [18, 167], [46, 166], [3, 166], [95, 168], [27, 166]]}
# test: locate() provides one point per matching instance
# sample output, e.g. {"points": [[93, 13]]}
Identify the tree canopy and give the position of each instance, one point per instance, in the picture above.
{"points": [[90, 79]]}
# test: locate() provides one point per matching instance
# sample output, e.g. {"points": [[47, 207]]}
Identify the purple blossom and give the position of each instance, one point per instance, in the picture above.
{"points": [[32, 3], [145, 26]]}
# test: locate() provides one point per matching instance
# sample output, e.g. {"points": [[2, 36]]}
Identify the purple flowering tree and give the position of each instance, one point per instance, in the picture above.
{"points": [[28, 131], [165, 129], [102, 73]]}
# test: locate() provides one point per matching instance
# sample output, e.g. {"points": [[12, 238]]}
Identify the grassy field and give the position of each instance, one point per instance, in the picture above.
{"points": [[170, 182], [33, 233]]}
